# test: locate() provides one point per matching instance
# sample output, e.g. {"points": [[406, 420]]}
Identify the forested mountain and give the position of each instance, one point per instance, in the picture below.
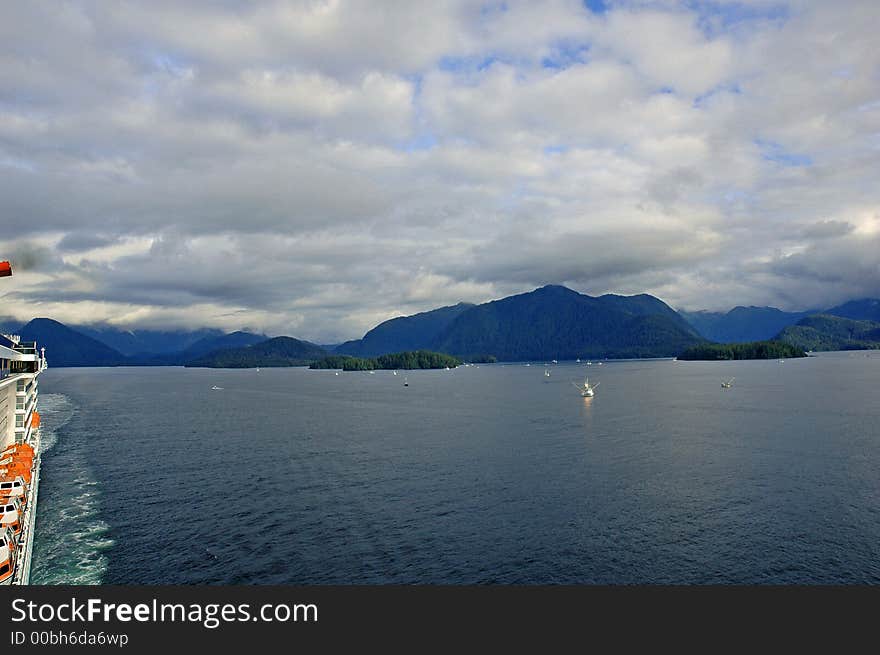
{"points": [[403, 333], [825, 332], [280, 351], [67, 347]]}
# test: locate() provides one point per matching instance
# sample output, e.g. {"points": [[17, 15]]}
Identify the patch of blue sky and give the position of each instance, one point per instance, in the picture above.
{"points": [[597, 6], [163, 65], [777, 153], [717, 17], [466, 64], [419, 143], [166, 63], [703, 99], [564, 55], [555, 149], [490, 8]]}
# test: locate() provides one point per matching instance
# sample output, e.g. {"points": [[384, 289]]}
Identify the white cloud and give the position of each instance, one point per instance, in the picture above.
{"points": [[316, 167]]}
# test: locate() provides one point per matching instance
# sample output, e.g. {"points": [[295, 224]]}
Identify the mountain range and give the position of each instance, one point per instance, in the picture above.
{"points": [[745, 324], [552, 322]]}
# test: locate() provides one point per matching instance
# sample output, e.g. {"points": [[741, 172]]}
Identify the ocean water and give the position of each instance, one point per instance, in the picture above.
{"points": [[489, 474]]}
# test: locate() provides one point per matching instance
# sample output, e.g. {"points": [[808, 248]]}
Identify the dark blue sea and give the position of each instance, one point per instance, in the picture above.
{"points": [[492, 474]]}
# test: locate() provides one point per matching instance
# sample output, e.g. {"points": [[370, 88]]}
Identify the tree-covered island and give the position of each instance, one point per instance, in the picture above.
{"points": [[410, 360]]}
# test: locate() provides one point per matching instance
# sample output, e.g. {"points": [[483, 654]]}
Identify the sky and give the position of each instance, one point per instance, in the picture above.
{"points": [[314, 168]]}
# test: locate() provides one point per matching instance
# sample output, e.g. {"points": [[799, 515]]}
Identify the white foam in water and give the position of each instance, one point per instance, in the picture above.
{"points": [[69, 539], [55, 410]]}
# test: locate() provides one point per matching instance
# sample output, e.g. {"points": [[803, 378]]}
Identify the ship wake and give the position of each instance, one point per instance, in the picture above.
{"points": [[70, 539]]}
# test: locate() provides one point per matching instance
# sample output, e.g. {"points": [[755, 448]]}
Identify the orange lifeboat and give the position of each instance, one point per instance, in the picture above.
{"points": [[7, 473], [17, 464], [18, 450], [5, 269], [35, 419], [11, 515], [8, 553], [16, 460], [14, 487]]}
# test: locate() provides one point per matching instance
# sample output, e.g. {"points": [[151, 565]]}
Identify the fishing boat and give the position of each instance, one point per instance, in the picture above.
{"points": [[546, 373], [216, 388], [406, 382], [587, 390], [727, 383]]}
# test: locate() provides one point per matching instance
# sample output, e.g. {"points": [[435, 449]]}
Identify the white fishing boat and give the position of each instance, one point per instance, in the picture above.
{"points": [[587, 390], [216, 388], [727, 383]]}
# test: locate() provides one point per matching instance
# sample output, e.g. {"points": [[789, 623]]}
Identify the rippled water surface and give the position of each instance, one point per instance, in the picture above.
{"points": [[490, 474]]}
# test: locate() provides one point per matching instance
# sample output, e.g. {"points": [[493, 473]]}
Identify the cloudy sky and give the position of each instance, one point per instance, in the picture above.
{"points": [[312, 168]]}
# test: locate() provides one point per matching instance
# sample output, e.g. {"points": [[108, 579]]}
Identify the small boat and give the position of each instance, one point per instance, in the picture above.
{"points": [[589, 363], [8, 555], [258, 369], [406, 382], [727, 383], [554, 362], [14, 487], [528, 364], [337, 372], [546, 373], [216, 388], [578, 360], [372, 372], [587, 390], [11, 514], [395, 372]]}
